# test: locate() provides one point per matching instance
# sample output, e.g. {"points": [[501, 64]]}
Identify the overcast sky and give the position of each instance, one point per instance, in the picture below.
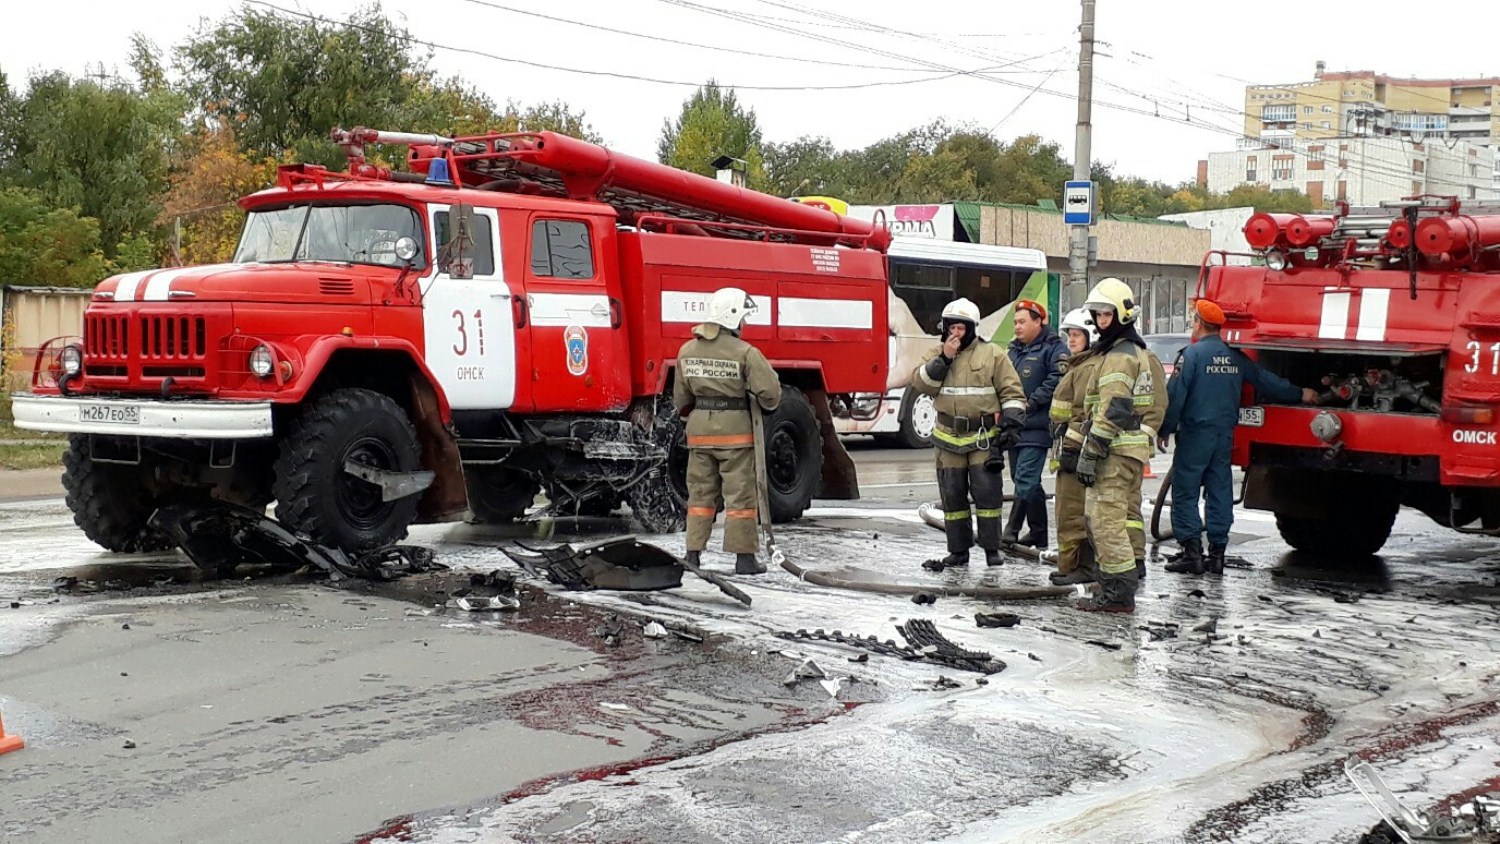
{"points": [[1186, 60]]}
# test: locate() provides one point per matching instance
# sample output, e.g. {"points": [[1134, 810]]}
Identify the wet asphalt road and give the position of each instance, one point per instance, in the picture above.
{"points": [[279, 708]]}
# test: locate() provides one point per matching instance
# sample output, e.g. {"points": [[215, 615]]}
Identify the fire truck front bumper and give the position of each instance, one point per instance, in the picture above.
{"points": [[142, 417]]}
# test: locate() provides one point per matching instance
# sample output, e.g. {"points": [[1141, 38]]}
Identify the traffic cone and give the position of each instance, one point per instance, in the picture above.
{"points": [[9, 742], [1148, 473]]}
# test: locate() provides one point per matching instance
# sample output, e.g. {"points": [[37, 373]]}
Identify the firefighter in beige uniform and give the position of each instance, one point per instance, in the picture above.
{"points": [[1117, 443], [980, 411], [718, 374], [1074, 554]]}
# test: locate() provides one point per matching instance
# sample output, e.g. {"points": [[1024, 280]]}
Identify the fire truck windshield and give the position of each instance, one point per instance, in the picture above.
{"points": [[346, 234]]}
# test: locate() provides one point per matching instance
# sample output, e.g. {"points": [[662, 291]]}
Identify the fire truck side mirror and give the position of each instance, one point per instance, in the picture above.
{"points": [[457, 258]]}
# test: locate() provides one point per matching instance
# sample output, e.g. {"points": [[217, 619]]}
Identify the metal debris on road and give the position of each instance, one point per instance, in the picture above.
{"points": [[922, 634], [996, 619], [654, 630], [624, 564], [488, 603], [808, 670], [1476, 823], [924, 598], [219, 536], [1109, 646]]}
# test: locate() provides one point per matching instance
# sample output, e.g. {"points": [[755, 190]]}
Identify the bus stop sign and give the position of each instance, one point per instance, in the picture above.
{"points": [[1078, 203]]}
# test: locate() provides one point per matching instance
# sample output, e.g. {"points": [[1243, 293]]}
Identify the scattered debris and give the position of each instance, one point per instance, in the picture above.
{"points": [[618, 707], [923, 635], [654, 630], [612, 631], [15, 605], [488, 603], [924, 598], [1109, 646], [125, 626], [624, 564], [1033, 657], [1158, 631], [1317, 633], [63, 583], [890, 648], [996, 619], [1477, 822], [942, 683], [686, 635], [219, 536], [1266, 598], [860, 658], [129, 744], [832, 686], [1197, 593], [981, 681], [1345, 598], [808, 670], [1211, 626]]}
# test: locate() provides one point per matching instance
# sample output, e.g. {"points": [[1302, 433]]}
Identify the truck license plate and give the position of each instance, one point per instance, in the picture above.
{"points": [[1252, 417], [116, 414]]}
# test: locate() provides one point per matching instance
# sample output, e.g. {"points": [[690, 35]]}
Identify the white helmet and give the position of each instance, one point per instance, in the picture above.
{"points": [[962, 309], [729, 306], [1078, 318]]}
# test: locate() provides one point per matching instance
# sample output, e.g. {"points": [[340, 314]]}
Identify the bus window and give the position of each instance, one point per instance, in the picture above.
{"points": [[987, 287]]}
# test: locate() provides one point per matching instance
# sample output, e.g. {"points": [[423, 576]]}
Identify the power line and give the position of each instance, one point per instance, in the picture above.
{"points": [[616, 74]]}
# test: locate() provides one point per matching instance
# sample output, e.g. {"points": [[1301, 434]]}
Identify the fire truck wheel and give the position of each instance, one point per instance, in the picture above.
{"points": [[498, 495], [316, 497], [110, 502], [794, 456], [1360, 517]]}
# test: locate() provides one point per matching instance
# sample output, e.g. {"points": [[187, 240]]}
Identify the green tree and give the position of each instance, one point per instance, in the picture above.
{"points": [[283, 84], [99, 147], [713, 123], [1262, 198], [47, 246]]}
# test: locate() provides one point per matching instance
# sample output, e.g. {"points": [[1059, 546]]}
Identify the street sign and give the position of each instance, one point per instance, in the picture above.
{"points": [[1078, 203]]}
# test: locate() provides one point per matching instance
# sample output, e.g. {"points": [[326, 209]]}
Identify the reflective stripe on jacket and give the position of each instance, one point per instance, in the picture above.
{"points": [[1122, 397], [979, 383], [718, 364]]}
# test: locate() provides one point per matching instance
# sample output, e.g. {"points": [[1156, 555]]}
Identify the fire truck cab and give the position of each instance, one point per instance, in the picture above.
{"points": [[502, 318]]}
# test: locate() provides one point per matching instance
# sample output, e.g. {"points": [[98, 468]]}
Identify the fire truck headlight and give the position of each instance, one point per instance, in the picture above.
{"points": [[1276, 260], [72, 359], [262, 362]]}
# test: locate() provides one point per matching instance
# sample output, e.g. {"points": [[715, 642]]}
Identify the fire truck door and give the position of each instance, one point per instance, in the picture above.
{"points": [[580, 355], [469, 323]]}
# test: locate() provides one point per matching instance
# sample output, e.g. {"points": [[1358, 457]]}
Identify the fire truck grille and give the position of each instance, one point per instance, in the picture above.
{"points": [[147, 337]]}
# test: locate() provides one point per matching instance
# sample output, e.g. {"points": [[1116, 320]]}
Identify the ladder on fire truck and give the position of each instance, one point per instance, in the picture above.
{"points": [[644, 193]]}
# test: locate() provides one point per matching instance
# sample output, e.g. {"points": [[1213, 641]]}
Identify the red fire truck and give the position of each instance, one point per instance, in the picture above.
{"points": [[500, 318], [1394, 314]]}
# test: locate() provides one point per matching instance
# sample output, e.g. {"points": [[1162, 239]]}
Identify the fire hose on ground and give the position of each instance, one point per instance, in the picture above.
{"points": [[999, 593]]}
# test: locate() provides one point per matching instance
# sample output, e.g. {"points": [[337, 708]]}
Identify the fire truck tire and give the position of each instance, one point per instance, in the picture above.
{"points": [[498, 495], [1359, 522], [315, 497], [794, 456], [111, 503]]}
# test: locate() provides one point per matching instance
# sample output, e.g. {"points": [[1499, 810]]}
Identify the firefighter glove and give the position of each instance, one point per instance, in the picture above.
{"points": [[1057, 430], [1093, 453], [1067, 461], [1009, 434], [995, 463]]}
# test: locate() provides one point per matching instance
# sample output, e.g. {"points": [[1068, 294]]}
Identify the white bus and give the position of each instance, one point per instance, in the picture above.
{"points": [[925, 275]]}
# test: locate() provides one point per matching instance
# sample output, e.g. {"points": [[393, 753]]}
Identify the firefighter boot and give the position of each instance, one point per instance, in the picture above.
{"points": [[1085, 571], [1013, 523], [957, 559], [1191, 561], [992, 557], [1036, 523], [1116, 593], [694, 558], [1140, 571], [1214, 563], [748, 564]]}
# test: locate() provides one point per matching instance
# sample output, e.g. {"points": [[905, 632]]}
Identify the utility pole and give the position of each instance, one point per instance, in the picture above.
{"points": [[1078, 235]]}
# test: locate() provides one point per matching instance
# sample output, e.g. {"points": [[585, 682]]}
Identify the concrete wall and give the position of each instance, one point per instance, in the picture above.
{"points": [[29, 317], [1225, 226]]}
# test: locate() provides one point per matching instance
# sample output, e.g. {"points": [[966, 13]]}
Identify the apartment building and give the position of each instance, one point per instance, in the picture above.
{"points": [[1362, 170], [1367, 104]]}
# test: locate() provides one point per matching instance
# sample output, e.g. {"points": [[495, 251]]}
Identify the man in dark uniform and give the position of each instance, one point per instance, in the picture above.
{"points": [[718, 374], [1203, 410], [1037, 354]]}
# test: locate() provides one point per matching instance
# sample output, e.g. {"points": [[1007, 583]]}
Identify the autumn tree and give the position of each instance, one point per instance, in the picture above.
{"points": [[201, 210], [713, 123]]}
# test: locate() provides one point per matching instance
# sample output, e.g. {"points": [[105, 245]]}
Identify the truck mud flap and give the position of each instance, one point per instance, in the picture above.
{"points": [[217, 536], [625, 565], [840, 481]]}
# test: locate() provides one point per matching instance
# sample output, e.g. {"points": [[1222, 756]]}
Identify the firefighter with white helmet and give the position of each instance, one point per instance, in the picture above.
{"points": [[980, 411], [1124, 404], [1066, 414], [718, 375]]}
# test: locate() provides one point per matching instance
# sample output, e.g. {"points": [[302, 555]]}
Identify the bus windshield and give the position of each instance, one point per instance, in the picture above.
{"points": [[346, 234]]}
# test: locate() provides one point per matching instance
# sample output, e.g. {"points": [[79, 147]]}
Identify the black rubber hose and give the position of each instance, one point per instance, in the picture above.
{"points": [[926, 511], [1161, 497]]}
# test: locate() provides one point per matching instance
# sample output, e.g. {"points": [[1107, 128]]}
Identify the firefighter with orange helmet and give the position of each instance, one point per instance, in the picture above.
{"points": [[980, 412], [718, 375]]}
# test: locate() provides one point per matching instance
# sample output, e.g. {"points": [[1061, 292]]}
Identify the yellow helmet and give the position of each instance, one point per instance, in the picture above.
{"points": [[1113, 294]]}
